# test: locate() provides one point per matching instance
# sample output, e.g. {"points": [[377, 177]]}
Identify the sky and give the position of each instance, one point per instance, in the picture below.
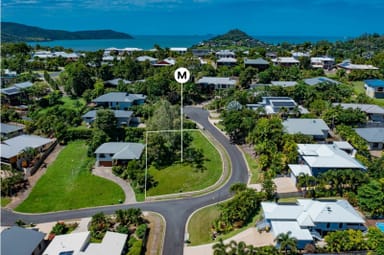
{"points": [[201, 17]]}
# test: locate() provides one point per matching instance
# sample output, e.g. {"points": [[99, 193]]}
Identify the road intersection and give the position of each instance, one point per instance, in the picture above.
{"points": [[175, 212]]}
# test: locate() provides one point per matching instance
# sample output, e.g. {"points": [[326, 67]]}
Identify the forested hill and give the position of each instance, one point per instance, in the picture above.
{"points": [[15, 32], [233, 37]]}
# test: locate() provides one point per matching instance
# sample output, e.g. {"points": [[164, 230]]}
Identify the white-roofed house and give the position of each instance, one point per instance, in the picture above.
{"points": [[225, 54], [273, 105], [113, 153], [147, 58], [285, 61], [315, 159], [319, 80], [348, 66], [315, 128], [179, 50], [79, 244], [308, 220], [226, 62], [217, 82], [323, 62], [120, 100]]}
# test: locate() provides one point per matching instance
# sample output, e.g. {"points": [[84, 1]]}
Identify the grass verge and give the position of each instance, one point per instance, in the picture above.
{"points": [[182, 177], [199, 226], [68, 184], [5, 201], [253, 167]]}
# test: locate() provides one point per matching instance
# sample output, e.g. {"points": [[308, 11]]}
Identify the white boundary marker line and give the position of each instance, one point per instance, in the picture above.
{"points": [[146, 151]]}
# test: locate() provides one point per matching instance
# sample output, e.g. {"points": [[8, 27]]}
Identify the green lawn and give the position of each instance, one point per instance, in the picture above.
{"points": [[252, 164], [68, 184], [182, 178], [5, 201], [199, 227]]}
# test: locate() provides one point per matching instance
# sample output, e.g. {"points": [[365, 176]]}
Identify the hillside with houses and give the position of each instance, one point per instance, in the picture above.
{"points": [[307, 118]]}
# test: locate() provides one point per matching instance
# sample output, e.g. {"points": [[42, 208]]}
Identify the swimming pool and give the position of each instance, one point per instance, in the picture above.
{"points": [[380, 225]]}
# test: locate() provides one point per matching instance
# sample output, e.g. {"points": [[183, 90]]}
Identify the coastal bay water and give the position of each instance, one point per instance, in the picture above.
{"points": [[147, 42]]}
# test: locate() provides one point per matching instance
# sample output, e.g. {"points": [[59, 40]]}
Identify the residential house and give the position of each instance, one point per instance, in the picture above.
{"points": [[165, 62], [49, 54], [323, 62], [285, 61], [115, 82], [112, 153], [348, 66], [147, 58], [374, 112], [179, 50], [284, 83], [10, 130], [79, 244], [123, 117], [259, 63], [271, 54], [21, 241], [309, 220], [225, 54], [373, 136], [374, 88], [201, 52], [217, 82], [226, 62], [14, 94], [299, 54], [315, 159], [315, 128], [319, 80], [120, 100], [11, 148], [273, 105], [7, 76]]}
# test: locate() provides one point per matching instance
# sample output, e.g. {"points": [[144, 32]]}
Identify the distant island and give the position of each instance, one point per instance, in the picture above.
{"points": [[15, 32], [234, 37]]}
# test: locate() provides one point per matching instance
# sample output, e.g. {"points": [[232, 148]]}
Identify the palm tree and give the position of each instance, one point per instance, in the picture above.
{"points": [[286, 242], [219, 248]]}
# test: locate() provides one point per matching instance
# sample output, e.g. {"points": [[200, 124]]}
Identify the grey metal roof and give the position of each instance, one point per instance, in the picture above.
{"points": [[121, 150], [119, 97], [227, 60], [372, 135], [13, 146], [10, 91], [258, 61], [318, 80], [314, 127], [9, 128], [20, 241], [217, 80], [367, 108], [118, 114], [284, 83], [23, 85]]}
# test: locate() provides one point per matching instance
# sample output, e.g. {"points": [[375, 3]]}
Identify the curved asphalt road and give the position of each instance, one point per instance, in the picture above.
{"points": [[175, 212]]}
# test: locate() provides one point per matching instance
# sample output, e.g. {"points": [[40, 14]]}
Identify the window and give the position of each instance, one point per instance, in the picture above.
{"points": [[340, 225], [328, 225], [101, 155]]}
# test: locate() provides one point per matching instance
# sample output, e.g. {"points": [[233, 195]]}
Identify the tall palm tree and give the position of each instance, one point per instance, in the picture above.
{"points": [[286, 242]]}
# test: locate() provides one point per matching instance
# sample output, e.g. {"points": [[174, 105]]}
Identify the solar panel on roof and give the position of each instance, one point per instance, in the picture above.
{"points": [[284, 103]]}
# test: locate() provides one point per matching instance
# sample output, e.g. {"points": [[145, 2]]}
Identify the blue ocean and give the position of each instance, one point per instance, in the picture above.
{"points": [[147, 42]]}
